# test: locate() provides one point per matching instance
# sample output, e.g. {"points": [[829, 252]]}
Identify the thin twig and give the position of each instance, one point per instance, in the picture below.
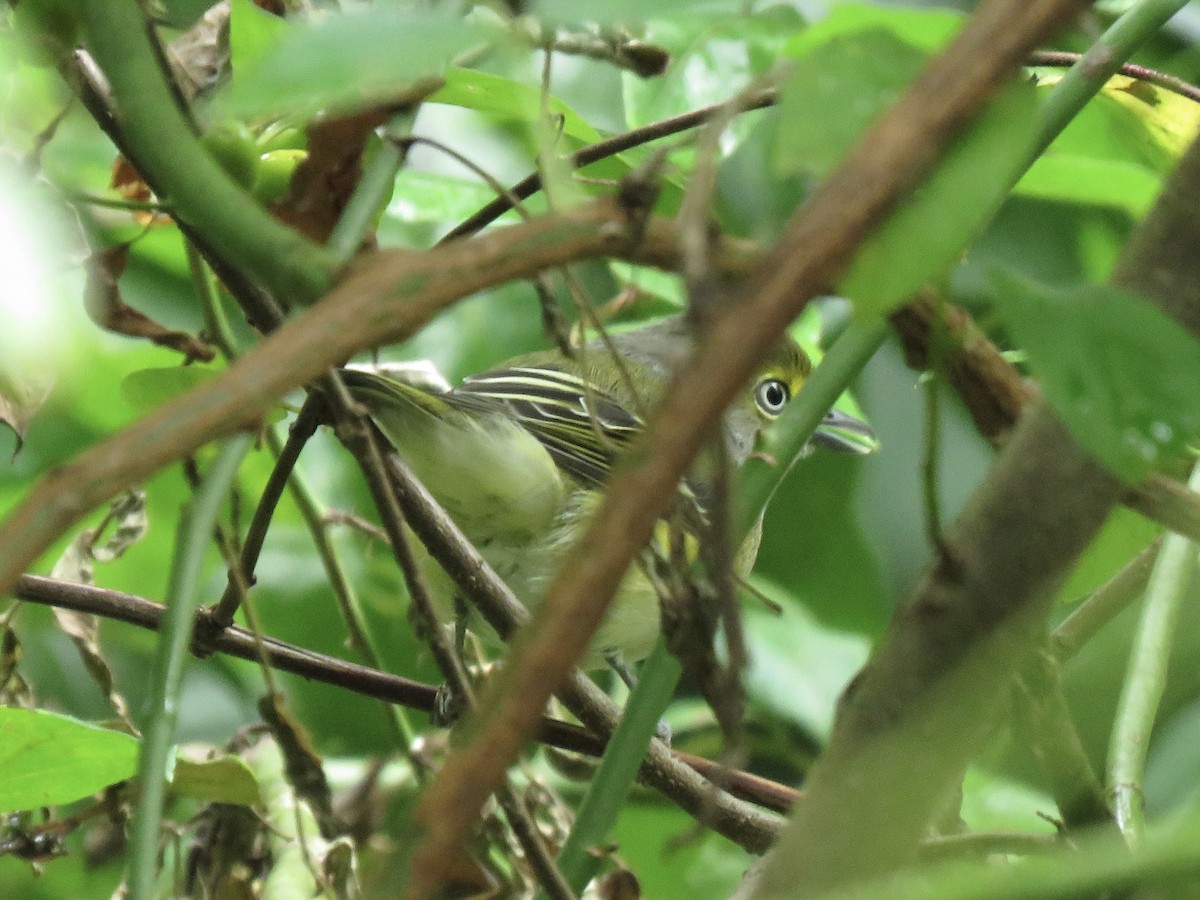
{"points": [[503, 612], [1043, 723], [305, 425], [241, 643], [531, 184], [1064, 59]]}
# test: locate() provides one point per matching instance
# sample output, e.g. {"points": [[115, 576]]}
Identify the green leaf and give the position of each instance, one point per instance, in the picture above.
{"points": [[48, 759], [1125, 534], [924, 237], [225, 779], [798, 668], [926, 29], [992, 802], [1122, 375], [508, 100], [602, 12], [712, 58], [1071, 178], [1129, 120], [432, 197], [253, 34], [833, 94], [146, 389], [843, 84], [309, 69]]}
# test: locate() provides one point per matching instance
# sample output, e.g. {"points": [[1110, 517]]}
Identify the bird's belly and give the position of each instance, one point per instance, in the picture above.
{"points": [[630, 626]]}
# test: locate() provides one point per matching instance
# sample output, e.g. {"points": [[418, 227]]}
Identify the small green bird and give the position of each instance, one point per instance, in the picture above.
{"points": [[517, 455]]}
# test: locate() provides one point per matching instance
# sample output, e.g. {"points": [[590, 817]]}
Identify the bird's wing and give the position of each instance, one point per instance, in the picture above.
{"points": [[582, 428]]}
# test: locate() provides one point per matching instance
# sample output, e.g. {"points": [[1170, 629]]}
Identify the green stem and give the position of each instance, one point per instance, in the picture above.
{"points": [[613, 781], [183, 597], [216, 323], [1146, 678], [202, 194], [1102, 605], [1102, 60], [376, 182]]}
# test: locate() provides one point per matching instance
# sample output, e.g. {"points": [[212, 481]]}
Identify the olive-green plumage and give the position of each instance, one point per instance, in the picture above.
{"points": [[517, 454]]}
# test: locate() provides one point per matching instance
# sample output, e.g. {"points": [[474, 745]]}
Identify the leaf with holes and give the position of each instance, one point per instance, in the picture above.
{"points": [[1122, 375]]}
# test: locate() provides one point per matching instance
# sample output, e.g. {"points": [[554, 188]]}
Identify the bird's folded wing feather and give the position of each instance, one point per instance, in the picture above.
{"points": [[581, 428]]}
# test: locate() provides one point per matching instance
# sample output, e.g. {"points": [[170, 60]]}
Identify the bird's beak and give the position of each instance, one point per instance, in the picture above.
{"points": [[843, 432]]}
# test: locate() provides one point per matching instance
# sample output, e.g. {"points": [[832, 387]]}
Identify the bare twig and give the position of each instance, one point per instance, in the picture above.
{"points": [[241, 643]]}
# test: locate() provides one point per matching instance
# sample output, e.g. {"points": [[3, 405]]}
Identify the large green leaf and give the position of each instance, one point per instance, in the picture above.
{"points": [[834, 92], [48, 759], [505, 99], [1122, 375], [1130, 121], [146, 389], [253, 34], [925, 235], [1087, 180], [311, 68], [926, 29]]}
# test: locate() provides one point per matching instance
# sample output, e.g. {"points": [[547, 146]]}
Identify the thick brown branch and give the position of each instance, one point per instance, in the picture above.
{"points": [[816, 247]]}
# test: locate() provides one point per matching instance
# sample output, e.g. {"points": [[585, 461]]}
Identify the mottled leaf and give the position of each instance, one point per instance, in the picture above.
{"points": [[1122, 375], [105, 306], [127, 516], [21, 398]]}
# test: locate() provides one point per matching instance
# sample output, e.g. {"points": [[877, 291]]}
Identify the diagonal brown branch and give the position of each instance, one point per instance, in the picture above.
{"points": [[816, 247]]}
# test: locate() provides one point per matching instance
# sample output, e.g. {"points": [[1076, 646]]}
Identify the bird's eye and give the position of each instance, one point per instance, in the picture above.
{"points": [[772, 396]]}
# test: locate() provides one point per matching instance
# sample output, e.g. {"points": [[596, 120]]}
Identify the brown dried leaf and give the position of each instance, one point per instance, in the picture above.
{"points": [[84, 631], [20, 401], [302, 762], [200, 56], [619, 885], [102, 299], [323, 183], [128, 513], [127, 181]]}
